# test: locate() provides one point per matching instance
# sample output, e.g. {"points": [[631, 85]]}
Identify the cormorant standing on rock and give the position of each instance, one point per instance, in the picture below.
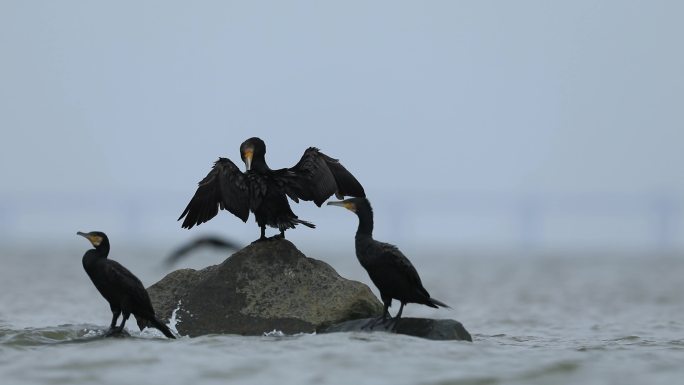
{"points": [[123, 290], [264, 192], [388, 268]]}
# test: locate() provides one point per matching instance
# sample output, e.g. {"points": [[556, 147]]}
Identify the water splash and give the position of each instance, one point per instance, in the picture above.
{"points": [[175, 319], [274, 333]]}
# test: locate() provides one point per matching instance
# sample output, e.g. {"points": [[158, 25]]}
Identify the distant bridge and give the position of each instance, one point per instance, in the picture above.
{"points": [[475, 219]]}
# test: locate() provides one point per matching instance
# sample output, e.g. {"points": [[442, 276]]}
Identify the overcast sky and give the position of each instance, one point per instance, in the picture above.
{"points": [[506, 97]]}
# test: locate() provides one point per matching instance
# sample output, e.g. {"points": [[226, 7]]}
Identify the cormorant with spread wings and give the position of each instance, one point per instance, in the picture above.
{"points": [[316, 177]]}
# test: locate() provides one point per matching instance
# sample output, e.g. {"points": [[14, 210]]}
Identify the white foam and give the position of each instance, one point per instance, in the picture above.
{"points": [[93, 333], [174, 320], [278, 333], [274, 333], [151, 332]]}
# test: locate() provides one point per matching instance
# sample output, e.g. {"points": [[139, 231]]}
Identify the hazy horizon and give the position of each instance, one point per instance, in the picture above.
{"points": [[562, 117]]}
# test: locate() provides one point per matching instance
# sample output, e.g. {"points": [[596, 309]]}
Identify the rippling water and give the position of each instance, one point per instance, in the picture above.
{"points": [[535, 320]]}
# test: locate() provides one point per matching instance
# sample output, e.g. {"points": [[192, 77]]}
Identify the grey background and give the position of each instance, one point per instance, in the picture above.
{"points": [[487, 125]]}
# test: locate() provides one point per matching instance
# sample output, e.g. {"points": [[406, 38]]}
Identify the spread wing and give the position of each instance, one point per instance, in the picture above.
{"points": [[316, 177], [208, 240], [225, 188]]}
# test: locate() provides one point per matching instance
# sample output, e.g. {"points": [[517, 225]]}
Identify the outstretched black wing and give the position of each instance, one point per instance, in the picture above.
{"points": [[316, 177], [207, 240], [225, 187]]}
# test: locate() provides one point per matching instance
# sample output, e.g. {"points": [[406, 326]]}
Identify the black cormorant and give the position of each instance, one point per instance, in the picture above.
{"points": [[264, 192], [123, 290], [388, 268], [208, 240]]}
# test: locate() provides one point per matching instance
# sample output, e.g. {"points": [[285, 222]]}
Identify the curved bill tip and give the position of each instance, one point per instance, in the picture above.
{"points": [[82, 234], [247, 158]]}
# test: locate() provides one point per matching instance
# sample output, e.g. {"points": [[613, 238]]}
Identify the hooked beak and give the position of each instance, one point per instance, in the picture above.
{"points": [[248, 159], [94, 239], [347, 205]]}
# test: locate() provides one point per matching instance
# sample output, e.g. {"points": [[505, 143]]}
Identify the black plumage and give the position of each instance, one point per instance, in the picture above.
{"points": [[264, 192], [205, 241], [123, 290], [388, 268]]}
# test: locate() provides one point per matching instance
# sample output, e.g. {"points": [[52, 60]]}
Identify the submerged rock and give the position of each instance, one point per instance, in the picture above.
{"points": [[265, 286], [433, 329]]}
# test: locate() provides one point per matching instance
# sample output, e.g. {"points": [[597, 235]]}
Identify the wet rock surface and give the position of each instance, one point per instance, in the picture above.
{"points": [[433, 329], [266, 286]]}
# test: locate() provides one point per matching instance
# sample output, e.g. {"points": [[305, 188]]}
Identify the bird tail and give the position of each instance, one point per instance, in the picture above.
{"points": [[162, 328], [305, 223], [432, 302], [155, 323]]}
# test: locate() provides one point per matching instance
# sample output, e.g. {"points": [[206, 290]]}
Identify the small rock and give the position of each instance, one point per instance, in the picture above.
{"points": [[266, 286], [433, 329]]}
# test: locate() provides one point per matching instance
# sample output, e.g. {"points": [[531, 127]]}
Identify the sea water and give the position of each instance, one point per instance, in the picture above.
{"points": [[580, 318]]}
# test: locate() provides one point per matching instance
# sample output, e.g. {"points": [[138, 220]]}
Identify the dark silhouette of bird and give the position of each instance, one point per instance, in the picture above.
{"points": [[123, 290], [388, 268], [205, 241], [264, 192]]}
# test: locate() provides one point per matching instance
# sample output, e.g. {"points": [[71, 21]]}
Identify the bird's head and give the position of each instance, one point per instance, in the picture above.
{"points": [[97, 238], [251, 148]]}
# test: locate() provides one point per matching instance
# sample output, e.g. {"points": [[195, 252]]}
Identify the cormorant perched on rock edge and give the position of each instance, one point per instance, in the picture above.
{"points": [[264, 192], [388, 268], [123, 290]]}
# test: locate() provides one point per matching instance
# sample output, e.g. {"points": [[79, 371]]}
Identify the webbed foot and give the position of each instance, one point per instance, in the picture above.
{"points": [[116, 332], [375, 322]]}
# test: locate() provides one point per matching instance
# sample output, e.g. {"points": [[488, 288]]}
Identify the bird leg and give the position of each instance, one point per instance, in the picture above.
{"points": [[112, 326], [115, 316], [115, 330], [280, 236], [120, 328], [392, 324], [263, 235]]}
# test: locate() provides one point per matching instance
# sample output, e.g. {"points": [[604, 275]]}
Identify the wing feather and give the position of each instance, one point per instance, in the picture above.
{"points": [[120, 280], [316, 177], [224, 188], [398, 269]]}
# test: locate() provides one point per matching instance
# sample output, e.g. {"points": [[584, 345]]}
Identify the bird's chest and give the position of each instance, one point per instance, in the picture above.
{"points": [[263, 187], [365, 254], [95, 271]]}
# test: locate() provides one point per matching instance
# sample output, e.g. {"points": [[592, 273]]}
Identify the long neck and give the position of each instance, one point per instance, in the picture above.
{"points": [[365, 223], [92, 256], [259, 164], [102, 250]]}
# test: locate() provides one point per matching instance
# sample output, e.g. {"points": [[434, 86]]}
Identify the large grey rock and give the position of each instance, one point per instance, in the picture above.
{"points": [[434, 329], [265, 286]]}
